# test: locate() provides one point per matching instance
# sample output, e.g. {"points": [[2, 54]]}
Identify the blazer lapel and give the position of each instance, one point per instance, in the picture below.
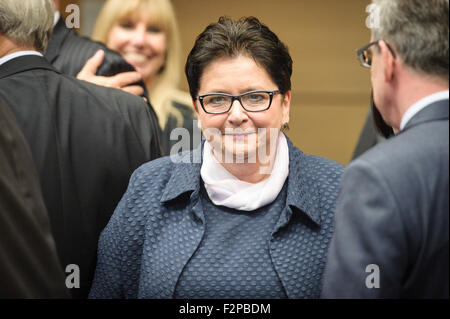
{"points": [[433, 112], [182, 238], [24, 63]]}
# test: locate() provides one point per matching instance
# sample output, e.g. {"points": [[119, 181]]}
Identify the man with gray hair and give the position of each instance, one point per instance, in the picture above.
{"points": [[391, 235], [86, 140]]}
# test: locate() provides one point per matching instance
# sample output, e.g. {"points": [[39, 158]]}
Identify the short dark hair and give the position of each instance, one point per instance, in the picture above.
{"points": [[247, 36]]}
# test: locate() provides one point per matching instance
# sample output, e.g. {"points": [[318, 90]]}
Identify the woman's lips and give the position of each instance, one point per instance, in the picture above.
{"points": [[135, 57], [238, 131], [238, 135]]}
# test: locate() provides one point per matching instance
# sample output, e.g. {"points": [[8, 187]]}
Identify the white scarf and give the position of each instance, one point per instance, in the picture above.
{"points": [[225, 189]]}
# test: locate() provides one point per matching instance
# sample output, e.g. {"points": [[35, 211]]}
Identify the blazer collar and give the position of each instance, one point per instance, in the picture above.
{"points": [[434, 112], [302, 191], [25, 63], [54, 46], [185, 175]]}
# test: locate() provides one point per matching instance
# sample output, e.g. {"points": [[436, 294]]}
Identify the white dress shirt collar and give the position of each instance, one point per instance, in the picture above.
{"points": [[421, 104], [56, 18], [14, 55]]}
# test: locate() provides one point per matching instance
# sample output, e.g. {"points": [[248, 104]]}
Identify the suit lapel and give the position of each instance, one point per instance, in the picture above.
{"points": [[24, 63], [433, 112]]}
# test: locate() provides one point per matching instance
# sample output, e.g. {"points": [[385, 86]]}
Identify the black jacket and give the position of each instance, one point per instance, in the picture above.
{"points": [[188, 116], [86, 141], [29, 265]]}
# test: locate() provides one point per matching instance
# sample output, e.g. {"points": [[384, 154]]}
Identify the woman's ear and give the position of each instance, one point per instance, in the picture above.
{"points": [[194, 106], [286, 106]]}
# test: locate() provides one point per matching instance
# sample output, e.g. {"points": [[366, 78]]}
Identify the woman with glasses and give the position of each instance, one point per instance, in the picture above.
{"points": [[246, 215]]}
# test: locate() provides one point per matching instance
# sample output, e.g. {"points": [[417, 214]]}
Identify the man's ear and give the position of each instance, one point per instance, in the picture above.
{"points": [[389, 61]]}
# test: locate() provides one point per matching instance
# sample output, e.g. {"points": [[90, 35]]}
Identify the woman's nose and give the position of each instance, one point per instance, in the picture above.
{"points": [[138, 36], [237, 115]]}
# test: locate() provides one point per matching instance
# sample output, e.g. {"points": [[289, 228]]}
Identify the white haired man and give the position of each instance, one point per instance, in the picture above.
{"points": [[392, 227]]}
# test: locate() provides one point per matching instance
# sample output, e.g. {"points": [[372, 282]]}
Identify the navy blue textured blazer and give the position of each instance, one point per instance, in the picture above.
{"points": [[159, 224]]}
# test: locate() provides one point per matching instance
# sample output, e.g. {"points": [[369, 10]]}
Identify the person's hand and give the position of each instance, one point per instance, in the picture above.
{"points": [[120, 81]]}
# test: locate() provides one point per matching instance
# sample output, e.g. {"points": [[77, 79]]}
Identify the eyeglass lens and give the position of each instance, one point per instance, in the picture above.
{"points": [[253, 101], [366, 58]]}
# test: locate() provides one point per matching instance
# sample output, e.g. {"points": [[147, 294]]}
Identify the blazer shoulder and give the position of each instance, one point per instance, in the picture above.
{"points": [[322, 161], [382, 163], [113, 62], [326, 175], [114, 97], [108, 105], [314, 172], [153, 176], [77, 49], [320, 166], [80, 92], [418, 145]]}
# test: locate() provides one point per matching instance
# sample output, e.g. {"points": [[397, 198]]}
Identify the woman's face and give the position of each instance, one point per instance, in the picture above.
{"points": [[141, 43], [239, 132]]}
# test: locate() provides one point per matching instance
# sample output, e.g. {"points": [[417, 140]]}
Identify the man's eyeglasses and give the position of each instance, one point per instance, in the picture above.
{"points": [[253, 101], [365, 54]]}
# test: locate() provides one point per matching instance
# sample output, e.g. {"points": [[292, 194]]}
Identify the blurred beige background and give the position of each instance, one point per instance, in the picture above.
{"points": [[330, 91]]}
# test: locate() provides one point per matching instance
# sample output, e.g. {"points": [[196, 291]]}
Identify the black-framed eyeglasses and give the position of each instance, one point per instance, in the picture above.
{"points": [[365, 55], [253, 101]]}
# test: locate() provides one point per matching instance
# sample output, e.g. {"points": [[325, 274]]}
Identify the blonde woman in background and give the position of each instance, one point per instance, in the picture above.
{"points": [[146, 34]]}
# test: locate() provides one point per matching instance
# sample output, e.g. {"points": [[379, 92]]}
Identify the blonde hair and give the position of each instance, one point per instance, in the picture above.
{"points": [[164, 88]]}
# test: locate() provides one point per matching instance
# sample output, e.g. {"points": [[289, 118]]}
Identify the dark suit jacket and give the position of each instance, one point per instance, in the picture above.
{"points": [[86, 141], [392, 212], [188, 116], [29, 265], [368, 138]]}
